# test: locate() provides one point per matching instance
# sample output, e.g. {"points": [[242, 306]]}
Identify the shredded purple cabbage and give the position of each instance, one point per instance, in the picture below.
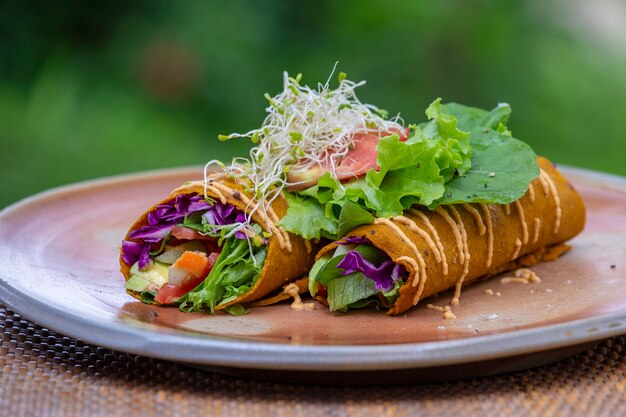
{"points": [[165, 216], [383, 275], [225, 214], [130, 251]]}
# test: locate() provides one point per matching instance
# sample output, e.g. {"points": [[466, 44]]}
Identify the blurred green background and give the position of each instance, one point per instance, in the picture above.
{"points": [[89, 89]]}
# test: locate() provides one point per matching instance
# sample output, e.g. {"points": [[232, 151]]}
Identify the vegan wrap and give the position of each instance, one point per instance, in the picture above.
{"points": [[413, 209], [435, 250], [207, 247]]}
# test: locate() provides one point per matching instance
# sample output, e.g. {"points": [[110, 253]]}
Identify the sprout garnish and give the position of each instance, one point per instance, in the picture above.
{"points": [[304, 128]]}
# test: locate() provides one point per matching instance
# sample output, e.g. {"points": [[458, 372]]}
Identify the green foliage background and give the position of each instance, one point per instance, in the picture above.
{"points": [[89, 89]]}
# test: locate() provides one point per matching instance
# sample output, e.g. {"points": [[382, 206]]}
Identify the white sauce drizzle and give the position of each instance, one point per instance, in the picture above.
{"points": [[537, 228], [459, 283], [557, 200], [522, 219], [489, 233], [421, 232], [433, 231], [531, 192], [507, 209], [479, 221], [518, 247], [455, 231]]}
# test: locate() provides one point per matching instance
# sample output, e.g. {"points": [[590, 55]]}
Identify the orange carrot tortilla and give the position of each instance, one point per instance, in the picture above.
{"points": [[282, 264], [552, 211]]}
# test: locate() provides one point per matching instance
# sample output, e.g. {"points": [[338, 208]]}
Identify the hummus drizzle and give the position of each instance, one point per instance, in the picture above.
{"points": [[433, 231], [455, 231], [522, 276], [527, 274], [487, 214], [272, 214], [447, 311], [275, 219], [211, 187], [283, 239], [544, 184], [418, 230], [536, 229], [420, 275], [459, 283], [557, 200], [522, 219], [479, 221], [518, 247], [293, 291], [513, 280], [416, 268]]}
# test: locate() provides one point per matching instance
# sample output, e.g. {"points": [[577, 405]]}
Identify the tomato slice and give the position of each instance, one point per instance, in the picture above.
{"points": [[185, 233], [170, 293], [321, 291], [360, 159]]}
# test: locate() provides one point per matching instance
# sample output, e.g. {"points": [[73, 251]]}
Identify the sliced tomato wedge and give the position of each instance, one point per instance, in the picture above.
{"points": [[321, 291], [170, 293], [185, 233], [360, 159]]}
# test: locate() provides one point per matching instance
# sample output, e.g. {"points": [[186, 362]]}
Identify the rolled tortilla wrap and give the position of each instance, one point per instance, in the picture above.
{"points": [[457, 244], [288, 256]]}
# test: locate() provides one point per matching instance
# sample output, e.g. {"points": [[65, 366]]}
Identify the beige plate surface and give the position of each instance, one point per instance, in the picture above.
{"points": [[58, 267]]}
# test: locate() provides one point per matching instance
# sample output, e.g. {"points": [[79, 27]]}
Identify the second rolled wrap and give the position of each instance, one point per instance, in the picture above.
{"points": [[457, 244], [288, 257]]}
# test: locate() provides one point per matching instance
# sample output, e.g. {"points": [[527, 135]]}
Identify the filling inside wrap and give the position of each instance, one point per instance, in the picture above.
{"points": [[356, 275], [194, 253]]}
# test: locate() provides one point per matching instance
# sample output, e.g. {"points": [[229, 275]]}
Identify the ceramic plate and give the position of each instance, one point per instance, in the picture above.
{"points": [[59, 268]]}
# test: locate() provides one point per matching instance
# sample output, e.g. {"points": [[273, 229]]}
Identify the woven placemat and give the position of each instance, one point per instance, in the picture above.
{"points": [[43, 373]]}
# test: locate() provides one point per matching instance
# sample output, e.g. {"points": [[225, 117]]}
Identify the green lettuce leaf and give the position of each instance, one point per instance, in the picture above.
{"points": [[346, 291], [235, 271], [308, 217], [502, 166], [236, 310], [349, 289], [462, 154], [411, 172]]}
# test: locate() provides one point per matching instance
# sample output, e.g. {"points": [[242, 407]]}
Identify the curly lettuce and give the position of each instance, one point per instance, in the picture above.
{"points": [[461, 154], [235, 271]]}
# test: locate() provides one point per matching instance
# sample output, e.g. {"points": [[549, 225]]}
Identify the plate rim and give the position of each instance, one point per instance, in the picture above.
{"points": [[183, 346]]}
